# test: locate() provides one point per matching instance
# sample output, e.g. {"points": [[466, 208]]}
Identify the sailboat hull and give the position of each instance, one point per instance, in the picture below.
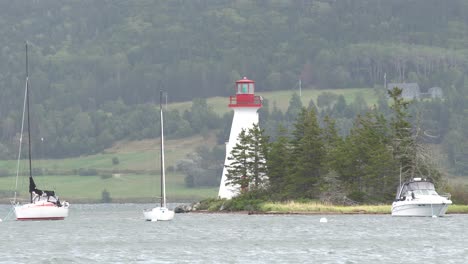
{"points": [[40, 211], [158, 214]]}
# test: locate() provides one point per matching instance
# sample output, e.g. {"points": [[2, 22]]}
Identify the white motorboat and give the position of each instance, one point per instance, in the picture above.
{"points": [[418, 197], [160, 213], [43, 205]]}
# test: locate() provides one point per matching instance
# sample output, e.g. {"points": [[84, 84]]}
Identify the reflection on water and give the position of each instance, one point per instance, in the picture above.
{"points": [[116, 233]]}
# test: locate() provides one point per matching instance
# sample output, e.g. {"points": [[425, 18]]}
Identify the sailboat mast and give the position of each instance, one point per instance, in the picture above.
{"points": [[163, 175], [29, 123]]}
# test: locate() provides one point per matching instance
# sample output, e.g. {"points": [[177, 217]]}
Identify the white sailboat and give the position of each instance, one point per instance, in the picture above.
{"points": [[43, 205], [160, 213]]}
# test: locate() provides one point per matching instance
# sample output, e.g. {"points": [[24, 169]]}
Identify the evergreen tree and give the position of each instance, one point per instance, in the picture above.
{"points": [[308, 157], [258, 153], [237, 170], [365, 161], [294, 108], [331, 140], [403, 142], [248, 158], [279, 160]]}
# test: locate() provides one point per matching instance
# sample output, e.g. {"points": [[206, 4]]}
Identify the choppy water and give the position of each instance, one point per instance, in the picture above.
{"points": [[116, 233]]}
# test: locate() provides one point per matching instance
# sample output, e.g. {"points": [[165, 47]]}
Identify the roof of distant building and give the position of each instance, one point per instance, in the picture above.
{"points": [[409, 90]]}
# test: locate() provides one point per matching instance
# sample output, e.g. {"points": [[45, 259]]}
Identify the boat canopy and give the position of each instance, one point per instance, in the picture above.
{"points": [[414, 186]]}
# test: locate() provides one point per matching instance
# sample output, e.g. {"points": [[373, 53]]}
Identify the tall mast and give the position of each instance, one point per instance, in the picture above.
{"points": [[29, 124], [163, 175]]}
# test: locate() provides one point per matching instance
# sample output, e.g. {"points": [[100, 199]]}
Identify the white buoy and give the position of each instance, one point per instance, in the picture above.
{"points": [[0, 220], [323, 220], [434, 216]]}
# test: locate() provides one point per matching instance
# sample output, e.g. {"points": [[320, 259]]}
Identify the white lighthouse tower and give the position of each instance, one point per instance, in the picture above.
{"points": [[245, 105]]}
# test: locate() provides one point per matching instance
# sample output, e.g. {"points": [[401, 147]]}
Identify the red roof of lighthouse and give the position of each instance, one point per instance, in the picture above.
{"points": [[245, 80], [245, 95]]}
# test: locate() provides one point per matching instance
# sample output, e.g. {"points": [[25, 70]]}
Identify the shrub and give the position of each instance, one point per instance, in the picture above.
{"points": [[106, 176], [87, 172], [211, 204], [105, 197], [459, 194], [243, 204], [358, 196]]}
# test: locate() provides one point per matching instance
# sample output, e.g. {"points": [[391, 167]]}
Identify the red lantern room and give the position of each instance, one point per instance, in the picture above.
{"points": [[245, 96]]}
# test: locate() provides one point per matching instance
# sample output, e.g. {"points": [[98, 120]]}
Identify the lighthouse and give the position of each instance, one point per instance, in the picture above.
{"points": [[245, 105]]}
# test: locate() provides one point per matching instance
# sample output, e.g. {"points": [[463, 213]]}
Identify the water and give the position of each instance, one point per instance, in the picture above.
{"points": [[116, 233]]}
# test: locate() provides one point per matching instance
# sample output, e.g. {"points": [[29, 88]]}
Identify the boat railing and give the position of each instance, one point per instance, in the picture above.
{"points": [[446, 195], [18, 200]]}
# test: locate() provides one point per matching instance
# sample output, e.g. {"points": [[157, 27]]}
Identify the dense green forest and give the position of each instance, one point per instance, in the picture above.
{"points": [[97, 67]]}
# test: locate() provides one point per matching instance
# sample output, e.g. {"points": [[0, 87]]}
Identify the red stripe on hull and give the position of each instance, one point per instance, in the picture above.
{"points": [[40, 218]]}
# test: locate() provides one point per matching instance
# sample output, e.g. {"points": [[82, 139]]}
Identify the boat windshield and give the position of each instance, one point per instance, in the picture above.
{"points": [[418, 188], [413, 186], [425, 192]]}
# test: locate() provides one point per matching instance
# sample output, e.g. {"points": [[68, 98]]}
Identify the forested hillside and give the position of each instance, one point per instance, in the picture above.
{"points": [[97, 66]]}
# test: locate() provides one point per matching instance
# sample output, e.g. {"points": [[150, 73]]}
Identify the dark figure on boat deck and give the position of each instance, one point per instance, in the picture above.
{"points": [[49, 194]]}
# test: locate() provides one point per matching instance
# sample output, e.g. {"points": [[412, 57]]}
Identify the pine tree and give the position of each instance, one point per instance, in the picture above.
{"points": [[331, 140], [237, 170], [365, 161], [248, 160], [403, 142], [278, 163], [257, 156], [408, 149], [308, 155]]}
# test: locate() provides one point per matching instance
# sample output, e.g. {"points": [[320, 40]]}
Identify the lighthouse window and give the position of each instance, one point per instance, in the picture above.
{"points": [[251, 88], [244, 88]]}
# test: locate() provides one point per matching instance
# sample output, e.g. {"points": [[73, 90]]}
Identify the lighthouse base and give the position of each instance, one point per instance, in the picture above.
{"points": [[244, 118]]}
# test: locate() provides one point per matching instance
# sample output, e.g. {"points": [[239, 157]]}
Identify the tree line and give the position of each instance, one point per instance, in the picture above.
{"points": [[314, 162], [87, 57]]}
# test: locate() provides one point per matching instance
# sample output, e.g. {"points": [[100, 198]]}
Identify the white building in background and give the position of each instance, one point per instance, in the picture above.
{"points": [[245, 105], [435, 92]]}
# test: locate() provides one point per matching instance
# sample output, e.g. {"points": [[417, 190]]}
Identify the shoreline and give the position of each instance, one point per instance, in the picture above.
{"points": [[297, 213], [282, 213], [291, 208]]}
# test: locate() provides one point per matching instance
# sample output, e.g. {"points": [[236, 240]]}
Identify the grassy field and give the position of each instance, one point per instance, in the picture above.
{"points": [[322, 208], [219, 104], [136, 177], [317, 207], [122, 188], [137, 156]]}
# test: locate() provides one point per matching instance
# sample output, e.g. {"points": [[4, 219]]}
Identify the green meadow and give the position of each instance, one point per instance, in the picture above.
{"points": [[122, 188], [134, 179], [317, 207], [281, 98]]}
